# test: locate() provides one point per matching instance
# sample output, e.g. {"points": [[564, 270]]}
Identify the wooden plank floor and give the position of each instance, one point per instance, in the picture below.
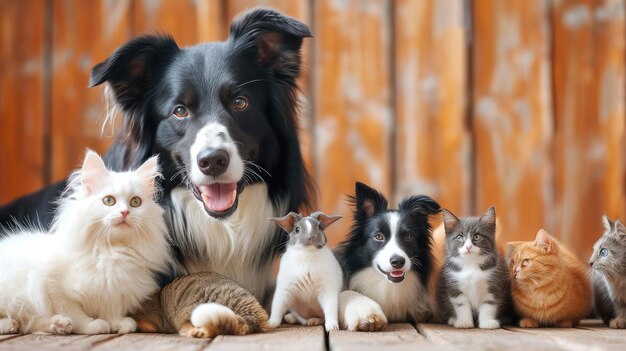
{"points": [[590, 336]]}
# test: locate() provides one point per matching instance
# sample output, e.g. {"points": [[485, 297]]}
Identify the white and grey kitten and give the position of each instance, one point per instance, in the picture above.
{"points": [[97, 264], [473, 281], [608, 269]]}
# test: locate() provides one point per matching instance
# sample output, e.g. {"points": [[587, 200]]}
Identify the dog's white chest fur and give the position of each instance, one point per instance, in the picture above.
{"points": [[472, 281], [401, 301], [232, 247]]}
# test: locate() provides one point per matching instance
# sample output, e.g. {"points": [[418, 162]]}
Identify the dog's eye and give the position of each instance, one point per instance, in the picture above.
{"points": [[240, 103], [297, 229], [108, 200], [408, 237], [180, 111], [379, 237]]}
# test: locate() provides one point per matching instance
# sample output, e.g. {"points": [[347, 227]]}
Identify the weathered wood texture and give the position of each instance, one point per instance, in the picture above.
{"points": [[591, 335], [514, 103]]}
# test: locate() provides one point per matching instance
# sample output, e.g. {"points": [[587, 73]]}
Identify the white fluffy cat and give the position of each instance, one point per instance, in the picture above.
{"points": [[98, 263]]}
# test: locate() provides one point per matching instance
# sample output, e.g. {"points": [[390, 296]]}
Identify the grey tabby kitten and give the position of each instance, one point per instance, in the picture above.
{"points": [[473, 284], [608, 269]]}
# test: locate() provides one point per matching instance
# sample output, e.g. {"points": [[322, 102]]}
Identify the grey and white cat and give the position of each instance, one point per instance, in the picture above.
{"points": [[473, 281], [608, 269], [98, 262]]}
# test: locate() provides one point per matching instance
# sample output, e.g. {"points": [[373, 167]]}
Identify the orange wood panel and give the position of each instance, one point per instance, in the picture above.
{"points": [[22, 88], [589, 106], [512, 115], [189, 22], [432, 138], [84, 34], [299, 9], [352, 102]]}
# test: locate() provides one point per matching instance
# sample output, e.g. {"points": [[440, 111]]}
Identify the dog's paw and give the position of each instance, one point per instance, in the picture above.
{"points": [[275, 323], [331, 325], [451, 321], [61, 325], [358, 312], [489, 324], [9, 326], [314, 321], [212, 319], [617, 323], [463, 323], [97, 326], [124, 326], [528, 323]]}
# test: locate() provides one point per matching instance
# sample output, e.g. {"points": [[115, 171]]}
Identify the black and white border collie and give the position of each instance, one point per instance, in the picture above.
{"points": [[222, 118], [387, 256]]}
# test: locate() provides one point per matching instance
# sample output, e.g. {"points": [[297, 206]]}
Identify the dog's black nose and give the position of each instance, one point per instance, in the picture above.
{"points": [[213, 162], [397, 261]]}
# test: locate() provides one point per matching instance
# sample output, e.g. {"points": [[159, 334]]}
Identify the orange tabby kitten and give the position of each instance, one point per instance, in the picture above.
{"points": [[549, 285]]}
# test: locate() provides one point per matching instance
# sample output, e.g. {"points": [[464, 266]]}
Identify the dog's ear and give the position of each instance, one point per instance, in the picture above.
{"points": [[135, 66], [420, 204], [274, 38], [324, 219], [287, 222], [368, 201]]}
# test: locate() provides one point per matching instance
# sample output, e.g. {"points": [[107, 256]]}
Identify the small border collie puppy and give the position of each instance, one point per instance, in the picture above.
{"points": [[387, 256]]}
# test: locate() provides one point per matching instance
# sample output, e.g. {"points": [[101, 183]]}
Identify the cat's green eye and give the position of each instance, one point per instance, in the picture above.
{"points": [[379, 237], [477, 237], [604, 252], [525, 262], [459, 237], [108, 200], [135, 202]]}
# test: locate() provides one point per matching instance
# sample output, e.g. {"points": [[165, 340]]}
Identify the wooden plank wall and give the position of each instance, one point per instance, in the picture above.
{"points": [[514, 103]]}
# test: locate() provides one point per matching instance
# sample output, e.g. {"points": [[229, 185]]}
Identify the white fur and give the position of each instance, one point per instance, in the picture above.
{"points": [[230, 246], [215, 136], [474, 286], [357, 311], [392, 248], [90, 271], [308, 285], [211, 314], [400, 301]]}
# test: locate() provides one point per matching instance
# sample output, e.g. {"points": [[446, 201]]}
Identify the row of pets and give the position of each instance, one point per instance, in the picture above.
{"points": [[94, 272]]}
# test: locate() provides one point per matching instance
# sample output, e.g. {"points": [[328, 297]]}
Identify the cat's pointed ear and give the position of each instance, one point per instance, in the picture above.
{"points": [[324, 219], [287, 222], [620, 230], [488, 219], [608, 223], [92, 172], [450, 221], [544, 241], [368, 201], [149, 171]]}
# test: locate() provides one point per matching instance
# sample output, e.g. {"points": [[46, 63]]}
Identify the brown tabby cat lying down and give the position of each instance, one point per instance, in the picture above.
{"points": [[219, 305]]}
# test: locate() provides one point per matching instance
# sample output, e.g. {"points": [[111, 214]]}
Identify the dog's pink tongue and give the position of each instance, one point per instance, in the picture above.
{"points": [[219, 197], [396, 274]]}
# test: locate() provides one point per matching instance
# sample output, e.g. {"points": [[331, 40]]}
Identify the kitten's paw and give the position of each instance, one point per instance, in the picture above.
{"points": [[451, 321], [97, 326], [291, 319], [9, 326], [528, 323], [565, 324], [330, 325], [198, 333], [274, 322], [463, 323], [217, 319], [618, 323], [61, 325], [489, 324], [363, 314], [314, 321], [124, 326]]}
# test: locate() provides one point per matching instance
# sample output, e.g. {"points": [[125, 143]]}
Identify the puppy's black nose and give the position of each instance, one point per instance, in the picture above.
{"points": [[213, 162], [397, 261]]}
